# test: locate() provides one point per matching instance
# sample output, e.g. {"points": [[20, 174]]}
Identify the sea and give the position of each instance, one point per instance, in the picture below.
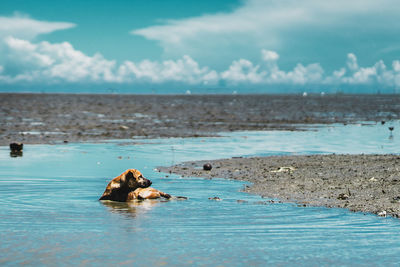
{"points": [[50, 214]]}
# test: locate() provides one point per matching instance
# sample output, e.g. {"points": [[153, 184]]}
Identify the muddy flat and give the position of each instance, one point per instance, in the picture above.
{"points": [[363, 183], [52, 118]]}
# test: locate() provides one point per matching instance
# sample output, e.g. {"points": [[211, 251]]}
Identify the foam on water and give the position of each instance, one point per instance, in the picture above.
{"points": [[50, 214]]}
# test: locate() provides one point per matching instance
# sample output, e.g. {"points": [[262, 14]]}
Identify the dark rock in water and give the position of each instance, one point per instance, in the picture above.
{"points": [[391, 128], [207, 167], [382, 122], [14, 147]]}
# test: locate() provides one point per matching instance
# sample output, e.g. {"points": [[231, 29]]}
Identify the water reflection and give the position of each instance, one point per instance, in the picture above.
{"points": [[15, 154], [131, 208]]}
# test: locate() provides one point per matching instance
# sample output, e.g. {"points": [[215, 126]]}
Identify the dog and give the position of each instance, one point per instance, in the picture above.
{"points": [[121, 186], [146, 193]]}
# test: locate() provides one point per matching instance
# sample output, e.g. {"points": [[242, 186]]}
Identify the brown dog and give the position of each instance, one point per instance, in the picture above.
{"points": [[119, 187], [146, 193]]}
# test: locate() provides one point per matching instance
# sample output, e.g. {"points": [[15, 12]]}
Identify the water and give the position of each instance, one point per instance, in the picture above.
{"points": [[50, 214]]}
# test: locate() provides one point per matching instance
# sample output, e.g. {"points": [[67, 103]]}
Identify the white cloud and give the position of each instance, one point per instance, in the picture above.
{"points": [[243, 71], [48, 63], [23, 27], [378, 74], [60, 63], [23, 61], [352, 62], [269, 56], [270, 23], [184, 70]]}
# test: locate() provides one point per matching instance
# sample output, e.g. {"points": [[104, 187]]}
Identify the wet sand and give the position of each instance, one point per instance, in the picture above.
{"points": [[364, 183], [53, 118]]}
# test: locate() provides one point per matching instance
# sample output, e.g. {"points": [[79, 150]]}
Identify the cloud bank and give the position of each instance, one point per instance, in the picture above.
{"points": [[267, 19], [306, 30], [26, 62]]}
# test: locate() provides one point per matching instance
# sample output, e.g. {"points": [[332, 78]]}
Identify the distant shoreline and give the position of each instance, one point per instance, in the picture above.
{"points": [[360, 183], [182, 93], [54, 118]]}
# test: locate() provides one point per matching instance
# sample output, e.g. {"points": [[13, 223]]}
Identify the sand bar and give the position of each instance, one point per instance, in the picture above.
{"points": [[364, 183]]}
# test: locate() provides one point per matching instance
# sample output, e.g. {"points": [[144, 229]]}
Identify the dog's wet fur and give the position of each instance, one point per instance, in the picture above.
{"points": [[119, 187], [130, 186]]}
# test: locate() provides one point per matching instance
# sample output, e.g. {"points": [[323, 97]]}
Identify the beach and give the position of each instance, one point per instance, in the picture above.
{"points": [[55, 118], [364, 183], [360, 183]]}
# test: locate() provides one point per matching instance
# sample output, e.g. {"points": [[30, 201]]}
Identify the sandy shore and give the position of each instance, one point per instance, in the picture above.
{"points": [[52, 118], [365, 183]]}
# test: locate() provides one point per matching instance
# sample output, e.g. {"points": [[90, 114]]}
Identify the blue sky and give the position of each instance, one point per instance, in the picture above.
{"points": [[218, 46]]}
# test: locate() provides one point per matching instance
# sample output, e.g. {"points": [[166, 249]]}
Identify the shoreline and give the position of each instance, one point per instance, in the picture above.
{"points": [[55, 118], [359, 183]]}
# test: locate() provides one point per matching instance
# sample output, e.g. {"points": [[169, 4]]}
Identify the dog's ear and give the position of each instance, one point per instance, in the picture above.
{"points": [[126, 177]]}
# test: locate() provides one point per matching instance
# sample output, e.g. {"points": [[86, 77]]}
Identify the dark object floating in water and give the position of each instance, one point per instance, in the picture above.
{"points": [[391, 128], [382, 122], [207, 167], [215, 198], [16, 147]]}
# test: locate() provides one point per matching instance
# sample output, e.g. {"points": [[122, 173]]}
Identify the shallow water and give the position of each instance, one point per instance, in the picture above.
{"points": [[50, 214]]}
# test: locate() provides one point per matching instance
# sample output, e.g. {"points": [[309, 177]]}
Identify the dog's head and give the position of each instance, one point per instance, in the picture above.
{"points": [[133, 179]]}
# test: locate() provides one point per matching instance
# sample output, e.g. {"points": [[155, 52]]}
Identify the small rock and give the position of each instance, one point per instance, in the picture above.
{"points": [[288, 169], [342, 196], [382, 213], [207, 167]]}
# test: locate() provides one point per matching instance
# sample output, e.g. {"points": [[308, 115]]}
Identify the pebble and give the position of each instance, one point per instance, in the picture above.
{"points": [[207, 167], [382, 213]]}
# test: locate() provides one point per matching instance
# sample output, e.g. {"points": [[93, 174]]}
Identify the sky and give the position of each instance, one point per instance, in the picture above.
{"points": [[175, 46]]}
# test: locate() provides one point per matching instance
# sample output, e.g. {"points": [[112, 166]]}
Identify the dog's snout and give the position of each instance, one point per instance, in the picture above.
{"points": [[148, 182], [145, 182]]}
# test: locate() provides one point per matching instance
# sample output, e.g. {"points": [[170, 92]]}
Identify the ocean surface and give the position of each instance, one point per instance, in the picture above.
{"points": [[50, 214]]}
